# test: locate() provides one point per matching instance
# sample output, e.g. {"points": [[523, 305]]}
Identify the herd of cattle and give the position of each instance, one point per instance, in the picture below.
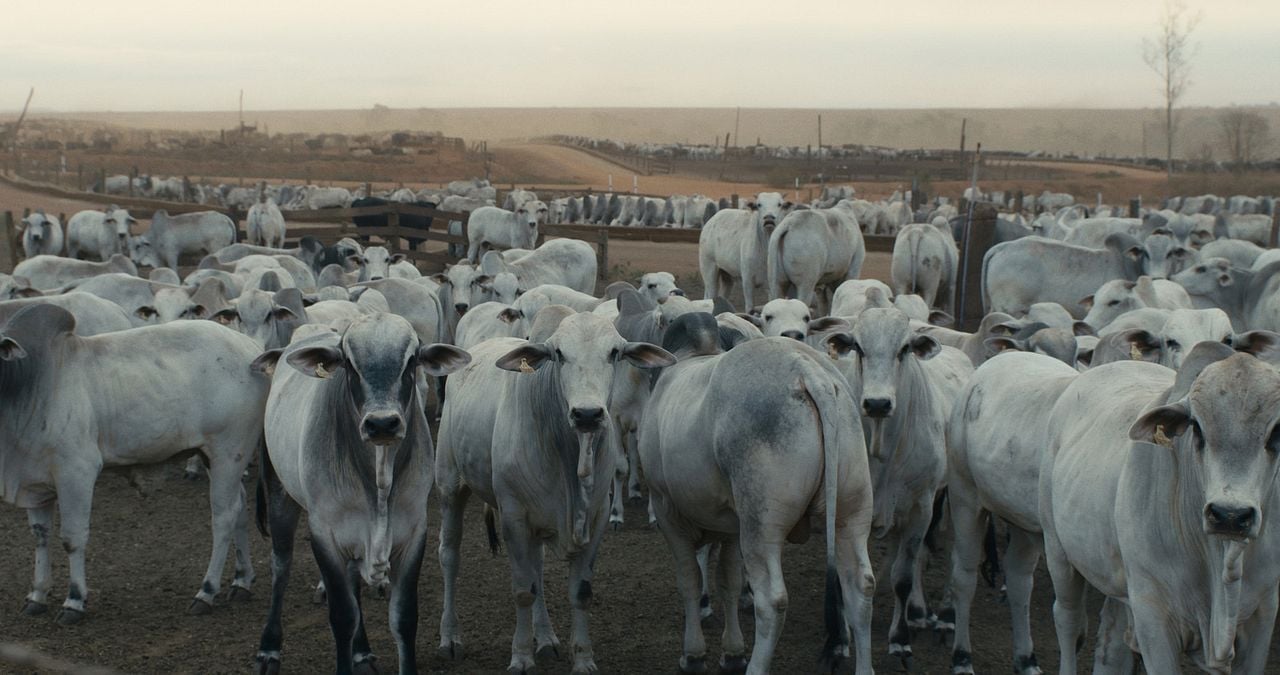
{"points": [[1116, 409]]}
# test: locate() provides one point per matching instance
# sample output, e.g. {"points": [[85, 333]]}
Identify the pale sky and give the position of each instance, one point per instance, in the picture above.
{"points": [[175, 55]]}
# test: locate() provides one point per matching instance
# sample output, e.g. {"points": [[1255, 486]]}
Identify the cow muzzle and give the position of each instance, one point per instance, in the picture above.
{"points": [[587, 420], [1233, 521], [382, 428], [461, 308], [877, 408], [793, 334]]}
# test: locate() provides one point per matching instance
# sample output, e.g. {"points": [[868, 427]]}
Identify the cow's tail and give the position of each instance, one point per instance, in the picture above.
{"points": [[822, 396], [491, 529], [990, 554], [915, 260], [774, 263], [262, 496]]}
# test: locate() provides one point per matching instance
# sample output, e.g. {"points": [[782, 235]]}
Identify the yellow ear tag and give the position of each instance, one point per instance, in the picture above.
{"points": [[1161, 438], [525, 367], [1134, 352], [321, 372], [269, 370]]}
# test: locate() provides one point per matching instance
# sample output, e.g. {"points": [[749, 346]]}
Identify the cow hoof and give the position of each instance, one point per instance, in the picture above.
{"points": [[693, 664], [521, 666], [547, 652], [636, 498], [733, 664], [199, 608], [33, 608], [319, 597], [191, 475], [368, 666], [587, 667], [69, 617], [239, 594], [451, 651], [268, 665], [615, 525]]}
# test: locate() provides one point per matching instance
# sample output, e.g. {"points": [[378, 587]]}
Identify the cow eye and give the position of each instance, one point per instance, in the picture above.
{"points": [[1197, 436], [613, 354], [1273, 441], [1113, 303], [806, 318], [768, 318], [653, 285], [559, 355], [1172, 344]]}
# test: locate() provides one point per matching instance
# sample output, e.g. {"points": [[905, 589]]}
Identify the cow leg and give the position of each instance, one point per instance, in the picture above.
{"points": [[580, 577], [41, 521], [1112, 654], [75, 501], [544, 635], [910, 545], [690, 566], [734, 657], [194, 468], [710, 279], [283, 523], [226, 502], [1069, 619], [632, 444], [525, 587], [748, 290], [453, 505], [344, 610], [616, 516], [403, 606], [242, 582], [857, 584], [704, 564], [763, 560], [968, 518], [1020, 566]]}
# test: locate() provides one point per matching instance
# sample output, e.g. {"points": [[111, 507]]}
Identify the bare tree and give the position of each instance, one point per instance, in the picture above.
{"points": [[1244, 132], [1169, 53]]}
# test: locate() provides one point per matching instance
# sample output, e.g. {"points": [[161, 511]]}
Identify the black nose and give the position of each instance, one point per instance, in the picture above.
{"points": [[381, 426], [793, 334], [461, 308], [587, 419], [877, 407], [1230, 521]]}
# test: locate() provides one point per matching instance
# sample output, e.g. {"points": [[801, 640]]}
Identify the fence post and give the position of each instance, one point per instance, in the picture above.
{"points": [[1135, 208], [979, 235], [1275, 227], [602, 254], [393, 222], [133, 175], [1018, 200], [80, 177], [186, 188], [8, 250], [102, 179]]}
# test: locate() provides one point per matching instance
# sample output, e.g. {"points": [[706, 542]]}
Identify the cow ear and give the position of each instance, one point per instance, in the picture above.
{"points": [[266, 362], [720, 305], [226, 316], [441, 359], [357, 259], [397, 257], [440, 279], [1084, 355], [828, 323], [1135, 252], [1006, 328], [1141, 343], [526, 358], [1004, 343], [938, 317], [1161, 425], [10, 350], [1254, 342], [753, 319], [925, 347], [483, 280], [145, 312], [1079, 328], [510, 315], [27, 292], [840, 344], [316, 361], [1086, 302], [752, 206], [199, 311], [1224, 280], [645, 355]]}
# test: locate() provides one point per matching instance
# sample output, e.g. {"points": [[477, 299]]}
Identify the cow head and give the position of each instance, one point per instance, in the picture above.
{"points": [[883, 347], [769, 208], [376, 263], [142, 252], [465, 285], [1165, 257], [379, 355], [1228, 427], [1208, 278], [506, 288], [1185, 328], [791, 319], [268, 319], [529, 215], [37, 227], [658, 286]]}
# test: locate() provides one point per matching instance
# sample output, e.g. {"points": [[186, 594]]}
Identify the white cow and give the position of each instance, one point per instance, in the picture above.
{"points": [[265, 224], [170, 237], [1196, 575], [48, 272], [41, 235], [733, 247], [810, 252], [566, 262], [348, 443], [925, 262], [544, 463], [98, 235], [83, 382], [491, 228], [751, 471], [1119, 296]]}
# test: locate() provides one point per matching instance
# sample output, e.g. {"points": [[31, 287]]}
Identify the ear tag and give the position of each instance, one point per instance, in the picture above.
{"points": [[831, 351], [525, 367], [321, 372], [1134, 352], [269, 371], [1161, 438]]}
